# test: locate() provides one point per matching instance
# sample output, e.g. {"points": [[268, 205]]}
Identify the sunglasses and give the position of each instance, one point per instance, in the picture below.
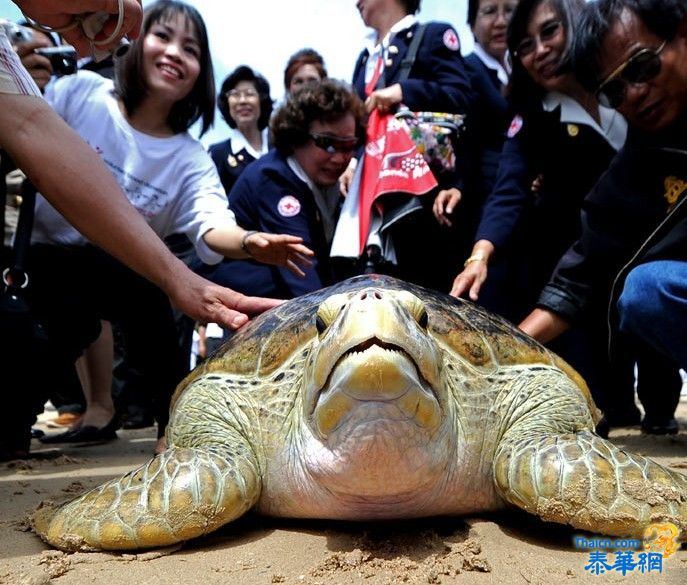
{"points": [[643, 66], [547, 32], [332, 144]]}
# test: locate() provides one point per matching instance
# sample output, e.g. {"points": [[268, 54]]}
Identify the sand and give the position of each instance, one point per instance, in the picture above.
{"points": [[504, 548]]}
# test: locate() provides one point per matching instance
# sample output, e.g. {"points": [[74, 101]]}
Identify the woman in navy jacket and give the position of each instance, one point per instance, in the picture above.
{"points": [[293, 189], [437, 82]]}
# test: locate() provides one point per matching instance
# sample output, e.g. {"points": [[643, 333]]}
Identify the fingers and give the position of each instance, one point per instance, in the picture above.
{"points": [[294, 268], [474, 290], [459, 287], [444, 204], [255, 305], [300, 249]]}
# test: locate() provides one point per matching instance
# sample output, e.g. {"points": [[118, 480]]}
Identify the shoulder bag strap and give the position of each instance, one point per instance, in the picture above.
{"points": [[408, 61], [22, 238]]}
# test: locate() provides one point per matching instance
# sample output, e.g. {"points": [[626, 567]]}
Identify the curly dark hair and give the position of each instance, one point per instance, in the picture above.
{"points": [[305, 56], [327, 101], [130, 85], [262, 86], [661, 17]]}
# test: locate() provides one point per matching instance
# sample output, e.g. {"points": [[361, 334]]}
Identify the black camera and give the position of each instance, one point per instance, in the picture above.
{"points": [[62, 59]]}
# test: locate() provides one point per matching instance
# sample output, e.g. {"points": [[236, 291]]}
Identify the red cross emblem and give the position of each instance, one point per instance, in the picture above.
{"points": [[288, 206]]}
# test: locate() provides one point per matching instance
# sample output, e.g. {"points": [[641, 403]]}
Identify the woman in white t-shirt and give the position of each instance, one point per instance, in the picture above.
{"points": [[139, 128]]}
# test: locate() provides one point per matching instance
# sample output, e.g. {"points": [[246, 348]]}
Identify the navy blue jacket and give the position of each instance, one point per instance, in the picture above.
{"points": [[636, 213], [229, 164], [570, 158], [269, 197], [438, 81], [486, 126]]}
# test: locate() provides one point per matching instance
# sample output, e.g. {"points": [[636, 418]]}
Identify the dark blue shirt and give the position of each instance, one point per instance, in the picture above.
{"points": [[269, 197]]}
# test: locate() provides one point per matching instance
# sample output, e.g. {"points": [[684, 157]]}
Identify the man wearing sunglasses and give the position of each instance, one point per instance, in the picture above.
{"points": [[632, 253]]}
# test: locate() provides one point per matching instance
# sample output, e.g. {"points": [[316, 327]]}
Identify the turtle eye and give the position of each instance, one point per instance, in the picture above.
{"points": [[320, 324], [423, 319]]}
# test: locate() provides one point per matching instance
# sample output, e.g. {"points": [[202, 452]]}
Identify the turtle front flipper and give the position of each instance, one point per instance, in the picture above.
{"points": [[181, 494], [586, 481]]}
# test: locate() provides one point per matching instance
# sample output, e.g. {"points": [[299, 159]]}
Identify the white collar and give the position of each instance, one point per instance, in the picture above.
{"points": [[491, 63], [239, 142], [300, 173], [371, 43], [613, 126]]}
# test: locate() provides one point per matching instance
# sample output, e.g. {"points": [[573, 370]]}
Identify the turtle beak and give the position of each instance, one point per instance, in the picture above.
{"points": [[375, 349]]}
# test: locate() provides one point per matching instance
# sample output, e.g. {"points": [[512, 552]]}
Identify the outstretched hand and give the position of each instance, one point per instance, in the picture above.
{"points": [[210, 303], [471, 280], [280, 250]]}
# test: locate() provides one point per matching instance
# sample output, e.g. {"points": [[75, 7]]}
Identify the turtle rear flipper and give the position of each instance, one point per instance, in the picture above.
{"points": [[181, 494], [586, 481]]}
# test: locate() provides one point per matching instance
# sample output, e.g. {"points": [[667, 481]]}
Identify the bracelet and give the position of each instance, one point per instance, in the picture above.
{"points": [[475, 258], [244, 239]]}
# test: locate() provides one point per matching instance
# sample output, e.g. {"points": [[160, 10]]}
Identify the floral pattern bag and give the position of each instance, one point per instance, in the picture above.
{"points": [[435, 135]]}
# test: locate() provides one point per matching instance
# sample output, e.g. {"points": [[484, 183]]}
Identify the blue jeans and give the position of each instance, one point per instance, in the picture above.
{"points": [[653, 307]]}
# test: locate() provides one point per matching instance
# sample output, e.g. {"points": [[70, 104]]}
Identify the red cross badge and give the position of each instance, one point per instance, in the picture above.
{"points": [[515, 126], [288, 206], [451, 39]]}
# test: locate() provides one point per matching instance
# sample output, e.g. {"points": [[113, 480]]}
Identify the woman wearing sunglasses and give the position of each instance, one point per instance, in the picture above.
{"points": [[293, 189], [560, 142]]}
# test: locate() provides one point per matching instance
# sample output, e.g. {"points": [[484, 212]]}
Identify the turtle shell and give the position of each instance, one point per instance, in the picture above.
{"points": [[485, 340]]}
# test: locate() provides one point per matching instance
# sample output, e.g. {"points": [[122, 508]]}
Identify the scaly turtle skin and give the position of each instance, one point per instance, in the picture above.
{"points": [[368, 400]]}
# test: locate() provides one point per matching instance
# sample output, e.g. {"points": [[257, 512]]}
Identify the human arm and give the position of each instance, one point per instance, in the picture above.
{"points": [[346, 178], [474, 271], [543, 325], [60, 13], [93, 202], [259, 198], [277, 249]]}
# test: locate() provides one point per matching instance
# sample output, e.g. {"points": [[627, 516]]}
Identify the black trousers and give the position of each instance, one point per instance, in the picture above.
{"points": [[73, 288]]}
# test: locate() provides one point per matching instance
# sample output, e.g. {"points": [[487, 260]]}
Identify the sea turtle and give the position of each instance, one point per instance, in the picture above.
{"points": [[374, 399]]}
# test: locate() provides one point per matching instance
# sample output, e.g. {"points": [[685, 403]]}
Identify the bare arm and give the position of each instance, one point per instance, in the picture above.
{"points": [[543, 325], [278, 249], [73, 178]]}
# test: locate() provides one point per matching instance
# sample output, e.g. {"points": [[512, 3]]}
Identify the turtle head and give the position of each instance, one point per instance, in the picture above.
{"points": [[373, 361]]}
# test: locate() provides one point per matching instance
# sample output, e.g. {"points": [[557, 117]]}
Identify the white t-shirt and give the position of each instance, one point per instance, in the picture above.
{"points": [[171, 181]]}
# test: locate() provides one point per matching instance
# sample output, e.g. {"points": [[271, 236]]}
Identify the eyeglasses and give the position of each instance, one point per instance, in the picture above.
{"points": [[491, 11], [643, 66], [332, 144], [246, 94], [547, 32]]}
